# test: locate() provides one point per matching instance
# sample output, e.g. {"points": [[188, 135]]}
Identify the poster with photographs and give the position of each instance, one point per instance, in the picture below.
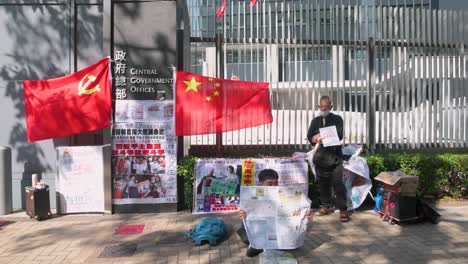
{"points": [[143, 110], [217, 181], [144, 163]]}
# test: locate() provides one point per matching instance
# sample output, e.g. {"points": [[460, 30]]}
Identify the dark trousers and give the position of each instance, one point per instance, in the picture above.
{"points": [[328, 179], [243, 234]]}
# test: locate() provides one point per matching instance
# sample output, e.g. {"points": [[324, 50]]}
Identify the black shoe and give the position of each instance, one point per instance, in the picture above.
{"points": [[252, 252]]}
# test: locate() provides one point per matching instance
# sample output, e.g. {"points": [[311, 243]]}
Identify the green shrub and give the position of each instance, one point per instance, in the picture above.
{"points": [[186, 177], [443, 175]]}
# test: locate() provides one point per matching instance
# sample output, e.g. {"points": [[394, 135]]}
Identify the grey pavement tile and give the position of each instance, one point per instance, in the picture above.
{"points": [[364, 240], [116, 251]]}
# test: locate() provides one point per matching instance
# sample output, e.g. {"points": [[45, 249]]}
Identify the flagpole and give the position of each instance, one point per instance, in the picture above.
{"points": [[180, 66], [219, 74], [107, 132]]}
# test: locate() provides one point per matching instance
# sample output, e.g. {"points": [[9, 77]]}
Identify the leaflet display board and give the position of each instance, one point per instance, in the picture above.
{"points": [[218, 181], [144, 163], [81, 179]]}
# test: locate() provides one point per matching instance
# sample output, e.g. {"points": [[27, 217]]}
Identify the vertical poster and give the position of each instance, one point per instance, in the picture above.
{"points": [[144, 163], [218, 181], [80, 179]]}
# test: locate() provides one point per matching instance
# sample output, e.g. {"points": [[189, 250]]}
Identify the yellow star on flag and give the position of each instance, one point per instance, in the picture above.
{"points": [[216, 93], [217, 84], [192, 85], [210, 79], [208, 98]]}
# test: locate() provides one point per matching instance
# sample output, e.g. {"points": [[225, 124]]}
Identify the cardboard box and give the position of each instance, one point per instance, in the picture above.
{"points": [[399, 182]]}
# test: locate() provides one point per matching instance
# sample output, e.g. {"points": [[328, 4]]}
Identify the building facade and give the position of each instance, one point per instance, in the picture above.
{"points": [[410, 98]]}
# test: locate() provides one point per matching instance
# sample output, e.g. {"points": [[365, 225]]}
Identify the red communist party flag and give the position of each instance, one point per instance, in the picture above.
{"points": [[206, 105], [68, 105]]}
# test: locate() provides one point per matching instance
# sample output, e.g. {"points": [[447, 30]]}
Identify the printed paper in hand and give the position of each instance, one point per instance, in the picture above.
{"points": [[276, 216], [329, 136]]}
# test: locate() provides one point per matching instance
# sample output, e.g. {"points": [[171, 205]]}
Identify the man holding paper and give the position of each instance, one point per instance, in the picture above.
{"points": [[326, 130]]}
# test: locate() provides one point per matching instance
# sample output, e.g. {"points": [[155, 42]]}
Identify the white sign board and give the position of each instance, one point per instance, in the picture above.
{"points": [[80, 179]]}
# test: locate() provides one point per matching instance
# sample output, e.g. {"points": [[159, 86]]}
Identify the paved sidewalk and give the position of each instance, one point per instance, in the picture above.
{"points": [[366, 239]]}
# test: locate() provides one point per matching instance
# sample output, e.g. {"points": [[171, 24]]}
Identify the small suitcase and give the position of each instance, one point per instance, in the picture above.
{"points": [[38, 203]]}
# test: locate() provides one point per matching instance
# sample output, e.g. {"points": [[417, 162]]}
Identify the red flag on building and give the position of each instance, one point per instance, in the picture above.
{"points": [[222, 8], [68, 105], [206, 105]]}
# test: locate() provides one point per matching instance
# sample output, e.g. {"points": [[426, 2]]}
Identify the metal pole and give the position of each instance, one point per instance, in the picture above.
{"points": [[219, 74], [6, 202], [180, 66], [370, 102]]}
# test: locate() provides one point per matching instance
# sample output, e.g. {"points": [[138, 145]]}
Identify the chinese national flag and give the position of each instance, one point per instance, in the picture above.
{"points": [[206, 105], [72, 104]]}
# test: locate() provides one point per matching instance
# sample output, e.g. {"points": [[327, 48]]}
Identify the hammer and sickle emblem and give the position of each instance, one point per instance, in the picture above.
{"points": [[84, 87]]}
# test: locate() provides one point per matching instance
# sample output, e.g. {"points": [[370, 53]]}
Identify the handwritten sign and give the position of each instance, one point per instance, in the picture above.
{"points": [[329, 136], [80, 181]]}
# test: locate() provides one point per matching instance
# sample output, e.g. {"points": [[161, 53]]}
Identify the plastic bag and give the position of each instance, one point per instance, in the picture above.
{"points": [[273, 256]]}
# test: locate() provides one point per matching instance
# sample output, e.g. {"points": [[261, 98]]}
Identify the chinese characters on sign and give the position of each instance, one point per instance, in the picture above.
{"points": [[80, 179], [133, 83], [120, 79], [144, 163], [275, 216], [218, 181], [144, 143]]}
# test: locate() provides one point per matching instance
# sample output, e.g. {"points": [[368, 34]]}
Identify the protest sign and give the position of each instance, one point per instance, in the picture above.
{"points": [[144, 163], [276, 216], [329, 136], [218, 181], [356, 177], [80, 179], [143, 110]]}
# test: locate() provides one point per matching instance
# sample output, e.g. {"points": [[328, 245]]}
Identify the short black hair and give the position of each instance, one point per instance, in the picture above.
{"points": [[268, 174]]}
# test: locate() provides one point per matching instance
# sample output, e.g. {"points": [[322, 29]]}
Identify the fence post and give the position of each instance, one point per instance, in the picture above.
{"points": [[370, 98], [219, 74], [180, 66]]}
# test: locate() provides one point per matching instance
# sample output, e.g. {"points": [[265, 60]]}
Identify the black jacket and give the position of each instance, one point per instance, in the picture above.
{"points": [[330, 120]]}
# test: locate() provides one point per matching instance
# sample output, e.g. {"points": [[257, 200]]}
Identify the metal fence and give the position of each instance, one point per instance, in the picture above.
{"points": [[397, 72]]}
